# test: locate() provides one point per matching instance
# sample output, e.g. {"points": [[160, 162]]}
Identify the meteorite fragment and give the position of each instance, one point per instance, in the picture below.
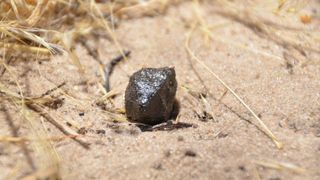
{"points": [[150, 95]]}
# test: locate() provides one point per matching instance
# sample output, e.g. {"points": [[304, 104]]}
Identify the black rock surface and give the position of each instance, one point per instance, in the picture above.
{"points": [[150, 95]]}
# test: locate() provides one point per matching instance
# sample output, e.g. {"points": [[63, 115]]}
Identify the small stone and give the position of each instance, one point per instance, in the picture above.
{"points": [[150, 95], [158, 166], [100, 131], [82, 131], [190, 153], [242, 168], [180, 138]]}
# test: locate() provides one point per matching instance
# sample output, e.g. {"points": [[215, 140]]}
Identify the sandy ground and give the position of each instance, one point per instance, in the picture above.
{"points": [[225, 147]]}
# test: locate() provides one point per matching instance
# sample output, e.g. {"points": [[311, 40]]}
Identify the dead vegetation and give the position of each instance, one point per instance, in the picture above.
{"points": [[36, 30], [39, 29]]}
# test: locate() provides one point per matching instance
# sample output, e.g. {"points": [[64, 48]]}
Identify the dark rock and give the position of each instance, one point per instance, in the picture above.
{"points": [[100, 131], [150, 95], [82, 131], [190, 153]]}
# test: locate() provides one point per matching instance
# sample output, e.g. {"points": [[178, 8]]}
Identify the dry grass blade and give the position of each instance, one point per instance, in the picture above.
{"points": [[23, 139], [99, 19], [145, 8], [10, 30], [16, 138], [194, 57], [282, 34], [12, 139], [256, 173], [47, 155], [37, 12], [205, 111], [281, 166], [60, 126], [49, 158], [48, 173], [24, 48]]}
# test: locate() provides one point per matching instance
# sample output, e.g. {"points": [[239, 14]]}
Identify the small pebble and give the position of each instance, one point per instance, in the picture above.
{"points": [[100, 131], [150, 95], [180, 138], [190, 153], [82, 131]]}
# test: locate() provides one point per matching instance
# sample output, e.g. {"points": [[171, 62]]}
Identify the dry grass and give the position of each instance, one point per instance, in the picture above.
{"points": [[38, 29], [264, 128]]}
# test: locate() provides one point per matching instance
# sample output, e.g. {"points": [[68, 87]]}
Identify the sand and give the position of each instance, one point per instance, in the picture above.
{"points": [[285, 95]]}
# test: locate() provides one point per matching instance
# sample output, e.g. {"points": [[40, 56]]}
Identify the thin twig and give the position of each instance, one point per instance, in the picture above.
{"points": [[15, 134], [281, 166], [52, 90], [266, 129], [92, 52], [13, 139], [110, 66], [61, 127]]}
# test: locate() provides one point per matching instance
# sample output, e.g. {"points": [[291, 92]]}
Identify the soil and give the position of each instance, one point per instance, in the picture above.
{"points": [[224, 144]]}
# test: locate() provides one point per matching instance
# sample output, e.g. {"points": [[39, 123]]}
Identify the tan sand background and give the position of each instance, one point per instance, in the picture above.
{"points": [[283, 90]]}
